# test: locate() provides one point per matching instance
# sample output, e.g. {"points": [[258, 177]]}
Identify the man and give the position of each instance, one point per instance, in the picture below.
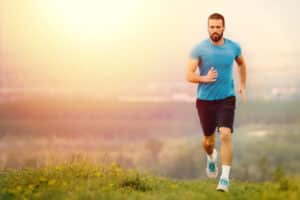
{"points": [[215, 93]]}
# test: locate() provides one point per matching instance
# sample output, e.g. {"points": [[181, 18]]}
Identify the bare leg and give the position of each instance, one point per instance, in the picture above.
{"points": [[226, 146], [209, 143], [226, 158], [211, 167]]}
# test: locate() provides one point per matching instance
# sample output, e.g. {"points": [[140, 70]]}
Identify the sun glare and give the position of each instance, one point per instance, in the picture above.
{"points": [[91, 18]]}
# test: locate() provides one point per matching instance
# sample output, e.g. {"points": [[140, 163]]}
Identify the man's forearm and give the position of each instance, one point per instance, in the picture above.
{"points": [[194, 78], [242, 75]]}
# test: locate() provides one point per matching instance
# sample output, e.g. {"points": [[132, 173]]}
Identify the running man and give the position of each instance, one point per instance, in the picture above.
{"points": [[215, 93]]}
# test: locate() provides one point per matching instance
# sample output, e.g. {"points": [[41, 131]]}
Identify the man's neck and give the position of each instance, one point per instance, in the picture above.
{"points": [[218, 43]]}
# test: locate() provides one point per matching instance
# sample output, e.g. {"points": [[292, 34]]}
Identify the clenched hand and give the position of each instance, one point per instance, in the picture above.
{"points": [[211, 75]]}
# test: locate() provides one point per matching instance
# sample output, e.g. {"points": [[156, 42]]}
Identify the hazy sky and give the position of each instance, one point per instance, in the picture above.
{"points": [[106, 45]]}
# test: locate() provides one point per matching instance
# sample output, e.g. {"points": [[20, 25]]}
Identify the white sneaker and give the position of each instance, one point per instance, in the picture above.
{"points": [[223, 185], [211, 167]]}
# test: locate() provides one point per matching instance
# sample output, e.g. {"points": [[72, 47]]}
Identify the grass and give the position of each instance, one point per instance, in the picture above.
{"points": [[84, 180]]}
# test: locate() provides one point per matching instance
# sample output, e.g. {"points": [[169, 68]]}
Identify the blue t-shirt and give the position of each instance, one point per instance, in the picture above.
{"points": [[222, 59]]}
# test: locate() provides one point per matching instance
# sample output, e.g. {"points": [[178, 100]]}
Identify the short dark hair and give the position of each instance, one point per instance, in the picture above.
{"points": [[217, 16]]}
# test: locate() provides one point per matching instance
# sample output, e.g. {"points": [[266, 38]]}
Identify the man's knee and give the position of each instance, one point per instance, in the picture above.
{"points": [[209, 141], [225, 134]]}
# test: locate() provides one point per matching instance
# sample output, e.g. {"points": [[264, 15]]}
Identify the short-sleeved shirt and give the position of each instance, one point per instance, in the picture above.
{"points": [[222, 59]]}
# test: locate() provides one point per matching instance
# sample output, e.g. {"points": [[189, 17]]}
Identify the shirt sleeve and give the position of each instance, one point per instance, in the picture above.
{"points": [[238, 51], [195, 53]]}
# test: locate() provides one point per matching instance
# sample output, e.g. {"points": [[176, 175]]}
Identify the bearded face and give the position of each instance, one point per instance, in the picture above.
{"points": [[215, 29], [216, 36]]}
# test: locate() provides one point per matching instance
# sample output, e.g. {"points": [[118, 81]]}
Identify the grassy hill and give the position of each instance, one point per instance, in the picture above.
{"points": [[84, 180]]}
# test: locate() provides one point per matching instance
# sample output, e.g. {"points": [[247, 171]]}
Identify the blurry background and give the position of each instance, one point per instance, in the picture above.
{"points": [[107, 80]]}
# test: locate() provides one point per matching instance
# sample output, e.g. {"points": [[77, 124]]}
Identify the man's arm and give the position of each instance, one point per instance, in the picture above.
{"points": [[242, 76], [192, 77]]}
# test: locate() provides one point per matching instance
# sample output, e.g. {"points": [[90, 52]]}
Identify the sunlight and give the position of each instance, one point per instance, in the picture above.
{"points": [[91, 19]]}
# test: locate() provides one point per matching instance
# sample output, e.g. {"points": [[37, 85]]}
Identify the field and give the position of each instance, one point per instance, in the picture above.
{"points": [[83, 180]]}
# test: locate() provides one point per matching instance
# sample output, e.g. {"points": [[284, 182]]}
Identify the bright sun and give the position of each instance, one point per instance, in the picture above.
{"points": [[91, 18]]}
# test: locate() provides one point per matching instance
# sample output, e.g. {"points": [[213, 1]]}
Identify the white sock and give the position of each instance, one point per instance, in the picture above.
{"points": [[212, 156], [225, 171]]}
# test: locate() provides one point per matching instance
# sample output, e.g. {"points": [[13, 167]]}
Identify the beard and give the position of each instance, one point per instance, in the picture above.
{"points": [[216, 37]]}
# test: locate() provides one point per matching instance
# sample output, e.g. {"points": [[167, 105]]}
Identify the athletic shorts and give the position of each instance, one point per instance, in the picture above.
{"points": [[215, 114]]}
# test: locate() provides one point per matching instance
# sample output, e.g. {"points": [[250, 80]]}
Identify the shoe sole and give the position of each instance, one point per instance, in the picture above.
{"points": [[222, 189]]}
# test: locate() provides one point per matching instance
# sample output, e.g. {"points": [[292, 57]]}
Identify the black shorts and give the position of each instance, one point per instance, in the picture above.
{"points": [[215, 114]]}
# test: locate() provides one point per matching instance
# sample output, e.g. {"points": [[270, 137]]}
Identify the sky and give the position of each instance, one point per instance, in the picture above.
{"points": [[111, 46]]}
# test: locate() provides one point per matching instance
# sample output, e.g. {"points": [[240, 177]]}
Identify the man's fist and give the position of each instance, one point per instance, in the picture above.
{"points": [[211, 75]]}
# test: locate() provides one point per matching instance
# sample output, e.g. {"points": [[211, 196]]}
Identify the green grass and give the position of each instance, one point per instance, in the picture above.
{"points": [[83, 180]]}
